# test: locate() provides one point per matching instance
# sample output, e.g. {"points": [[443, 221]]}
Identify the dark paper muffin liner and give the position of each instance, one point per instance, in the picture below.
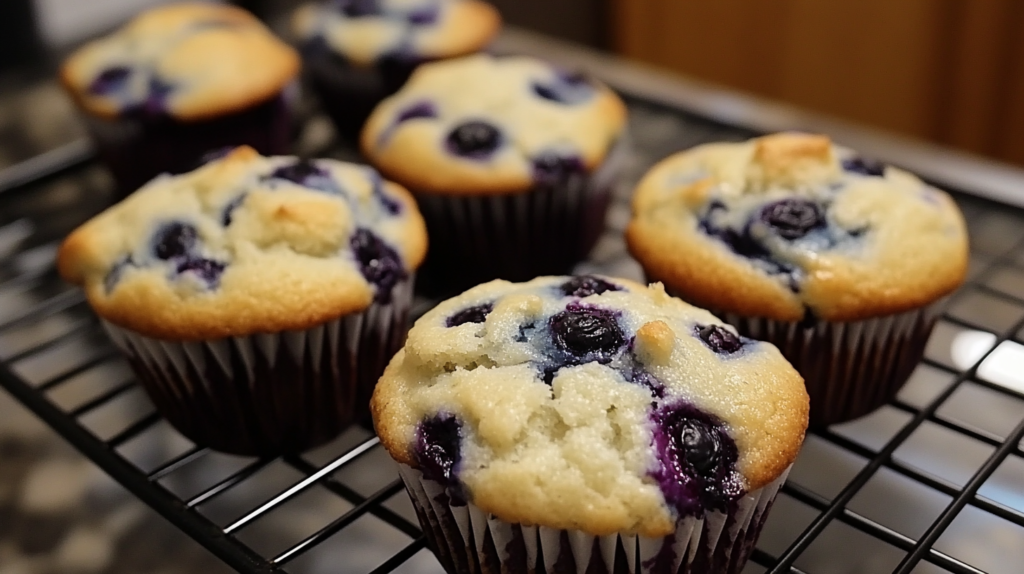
{"points": [[850, 369], [271, 393], [467, 540], [349, 93], [543, 231], [138, 148]]}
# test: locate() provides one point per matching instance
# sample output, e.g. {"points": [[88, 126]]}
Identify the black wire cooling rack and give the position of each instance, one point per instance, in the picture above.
{"points": [[923, 485]]}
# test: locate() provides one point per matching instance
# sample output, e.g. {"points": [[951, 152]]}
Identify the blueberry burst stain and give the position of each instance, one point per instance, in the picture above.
{"points": [[586, 285], [378, 262], [718, 338], [438, 451], [111, 80], [864, 166], [552, 169], [474, 314], [696, 466], [792, 218], [177, 243], [564, 88], [474, 139], [306, 173]]}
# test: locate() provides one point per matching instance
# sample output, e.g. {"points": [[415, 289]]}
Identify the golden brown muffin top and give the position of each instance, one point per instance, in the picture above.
{"points": [[789, 224], [589, 403], [246, 244], [189, 61]]}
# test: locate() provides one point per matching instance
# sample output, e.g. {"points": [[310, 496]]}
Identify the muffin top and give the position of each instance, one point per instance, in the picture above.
{"points": [[246, 244], [487, 125], [364, 32], [589, 403], [190, 61], [791, 227]]}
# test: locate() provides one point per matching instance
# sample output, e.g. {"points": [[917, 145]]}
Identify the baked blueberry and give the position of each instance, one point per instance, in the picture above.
{"points": [[358, 8], [423, 16], [697, 457], [587, 333], [390, 205], [586, 285], [417, 110], [475, 139], [111, 80], [378, 262], [474, 314], [206, 269], [307, 174], [565, 88], [439, 448], [792, 218], [864, 166], [174, 240], [550, 168], [718, 338]]}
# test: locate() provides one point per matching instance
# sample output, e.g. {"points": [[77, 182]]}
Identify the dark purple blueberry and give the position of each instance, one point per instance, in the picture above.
{"points": [[474, 139], [307, 174], [155, 103], [438, 452], [586, 285], [792, 218], [697, 457], [116, 272], [230, 208], [564, 88], [587, 332], [378, 262], [389, 204], [174, 240], [474, 314], [418, 110], [552, 169], [864, 166], [206, 269], [423, 16], [110, 80], [718, 338], [358, 8]]}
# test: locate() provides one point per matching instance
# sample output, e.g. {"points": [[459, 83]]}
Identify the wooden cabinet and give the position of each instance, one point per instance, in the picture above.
{"points": [[950, 71]]}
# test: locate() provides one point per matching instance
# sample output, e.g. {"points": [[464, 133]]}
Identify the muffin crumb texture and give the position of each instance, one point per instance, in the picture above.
{"points": [[789, 226], [246, 244], [589, 403]]}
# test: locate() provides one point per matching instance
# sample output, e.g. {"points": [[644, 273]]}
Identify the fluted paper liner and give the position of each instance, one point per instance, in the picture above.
{"points": [[468, 540], [852, 368], [543, 231], [270, 393]]}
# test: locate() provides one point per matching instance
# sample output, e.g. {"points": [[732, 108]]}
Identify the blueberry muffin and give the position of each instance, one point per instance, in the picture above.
{"points": [[257, 298], [512, 161], [178, 81], [837, 259], [574, 424], [358, 52]]}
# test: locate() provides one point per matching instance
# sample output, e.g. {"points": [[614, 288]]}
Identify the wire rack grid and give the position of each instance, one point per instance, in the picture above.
{"points": [[879, 493]]}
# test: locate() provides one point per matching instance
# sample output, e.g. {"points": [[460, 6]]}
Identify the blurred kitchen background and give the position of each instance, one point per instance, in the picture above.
{"points": [[947, 71]]}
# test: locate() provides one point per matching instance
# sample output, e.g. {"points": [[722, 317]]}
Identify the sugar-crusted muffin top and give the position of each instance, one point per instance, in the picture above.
{"points": [[364, 32], [483, 124], [189, 61], [247, 244], [589, 403], [789, 226]]}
